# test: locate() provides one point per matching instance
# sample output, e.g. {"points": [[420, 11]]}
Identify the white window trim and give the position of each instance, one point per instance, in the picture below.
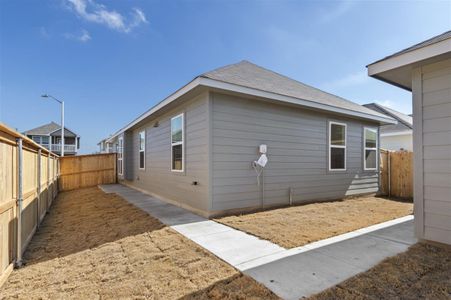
{"points": [[367, 148], [120, 150], [337, 146], [143, 150], [178, 143]]}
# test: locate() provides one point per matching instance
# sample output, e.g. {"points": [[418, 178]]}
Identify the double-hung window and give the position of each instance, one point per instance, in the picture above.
{"points": [[120, 152], [177, 143], [45, 141], [337, 146], [142, 150], [370, 148]]}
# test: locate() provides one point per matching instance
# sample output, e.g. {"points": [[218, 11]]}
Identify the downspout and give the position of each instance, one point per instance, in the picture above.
{"points": [[19, 202]]}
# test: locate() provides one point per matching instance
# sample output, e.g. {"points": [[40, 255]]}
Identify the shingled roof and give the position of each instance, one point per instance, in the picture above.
{"points": [[253, 76], [50, 128], [405, 122], [436, 39], [249, 79]]}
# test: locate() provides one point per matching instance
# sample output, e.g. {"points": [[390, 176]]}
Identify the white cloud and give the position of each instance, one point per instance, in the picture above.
{"points": [[342, 8], [44, 33], [82, 37], [352, 79], [288, 45], [387, 103], [98, 13], [401, 106]]}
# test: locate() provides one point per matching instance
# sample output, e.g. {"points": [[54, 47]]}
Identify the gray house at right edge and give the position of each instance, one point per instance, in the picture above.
{"points": [[242, 137], [425, 70]]}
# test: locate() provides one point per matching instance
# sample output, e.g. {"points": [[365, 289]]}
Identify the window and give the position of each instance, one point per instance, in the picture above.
{"points": [[36, 138], [45, 140], [120, 152], [177, 143], [142, 150], [337, 146], [370, 148]]}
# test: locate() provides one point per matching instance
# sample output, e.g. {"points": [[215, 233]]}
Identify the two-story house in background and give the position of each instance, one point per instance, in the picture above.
{"points": [[49, 136]]}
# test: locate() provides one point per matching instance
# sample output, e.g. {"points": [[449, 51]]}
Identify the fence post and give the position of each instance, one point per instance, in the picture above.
{"points": [[19, 202], [39, 189], [48, 184], [389, 172]]}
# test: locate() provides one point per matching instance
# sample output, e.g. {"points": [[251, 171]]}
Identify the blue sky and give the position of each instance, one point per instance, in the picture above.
{"points": [[112, 60]]}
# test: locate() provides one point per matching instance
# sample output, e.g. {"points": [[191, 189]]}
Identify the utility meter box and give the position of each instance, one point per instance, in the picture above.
{"points": [[262, 149]]}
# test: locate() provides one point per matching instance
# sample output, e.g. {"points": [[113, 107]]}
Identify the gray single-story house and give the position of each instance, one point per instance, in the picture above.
{"points": [[199, 147], [425, 69]]}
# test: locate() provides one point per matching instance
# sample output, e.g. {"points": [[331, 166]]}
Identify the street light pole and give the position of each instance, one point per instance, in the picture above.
{"points": [[62, 128], [62, 120]]}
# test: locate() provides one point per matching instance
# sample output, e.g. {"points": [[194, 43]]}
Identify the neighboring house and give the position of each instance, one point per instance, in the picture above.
{"points": [[105, 147], [425, 69], [394, 136], [49, 136], [196, 148]]}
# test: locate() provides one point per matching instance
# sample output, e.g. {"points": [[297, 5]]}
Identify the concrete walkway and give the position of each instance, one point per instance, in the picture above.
{"points": [[290, 273], [231, 245], [312, 271]]}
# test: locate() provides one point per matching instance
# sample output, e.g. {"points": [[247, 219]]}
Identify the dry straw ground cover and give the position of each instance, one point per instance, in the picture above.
{"points": [[423, 272], [299, 225], [94, 245]]}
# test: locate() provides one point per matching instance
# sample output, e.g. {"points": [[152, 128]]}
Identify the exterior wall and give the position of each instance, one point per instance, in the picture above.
{"points": [[297, 141], [129, 158], [432, 151], [397, 142], [157, 178]]}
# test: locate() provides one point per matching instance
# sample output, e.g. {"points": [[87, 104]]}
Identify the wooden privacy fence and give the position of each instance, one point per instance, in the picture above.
{"points": [[28, 185], [87, 170], [396, 173]]}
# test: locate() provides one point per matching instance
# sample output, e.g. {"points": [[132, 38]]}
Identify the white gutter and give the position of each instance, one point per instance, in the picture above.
{"points": [[396, 133], [159, 106], [288, 99], [211, 83], [410, 57]]}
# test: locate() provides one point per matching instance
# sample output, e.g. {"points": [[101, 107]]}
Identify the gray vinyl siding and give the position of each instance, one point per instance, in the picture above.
{"points": [[297, 141], [128, 157], [436, 147], [157, 177]]}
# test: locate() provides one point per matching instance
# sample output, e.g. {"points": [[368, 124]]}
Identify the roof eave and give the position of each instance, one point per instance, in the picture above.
{"points": [[211, 83], [376, 69]]}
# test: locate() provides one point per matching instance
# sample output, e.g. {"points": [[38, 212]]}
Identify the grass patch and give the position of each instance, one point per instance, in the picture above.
{"points": [[94, 245], [422, 272], [295, 226]]}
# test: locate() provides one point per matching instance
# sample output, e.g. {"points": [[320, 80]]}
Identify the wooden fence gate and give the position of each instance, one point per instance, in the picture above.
{"points": [[396, 169], [87, 170]]}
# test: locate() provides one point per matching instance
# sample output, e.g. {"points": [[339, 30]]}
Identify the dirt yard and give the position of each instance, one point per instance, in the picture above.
{"points": [[422, 272], [299, 225], [94, 245]]}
